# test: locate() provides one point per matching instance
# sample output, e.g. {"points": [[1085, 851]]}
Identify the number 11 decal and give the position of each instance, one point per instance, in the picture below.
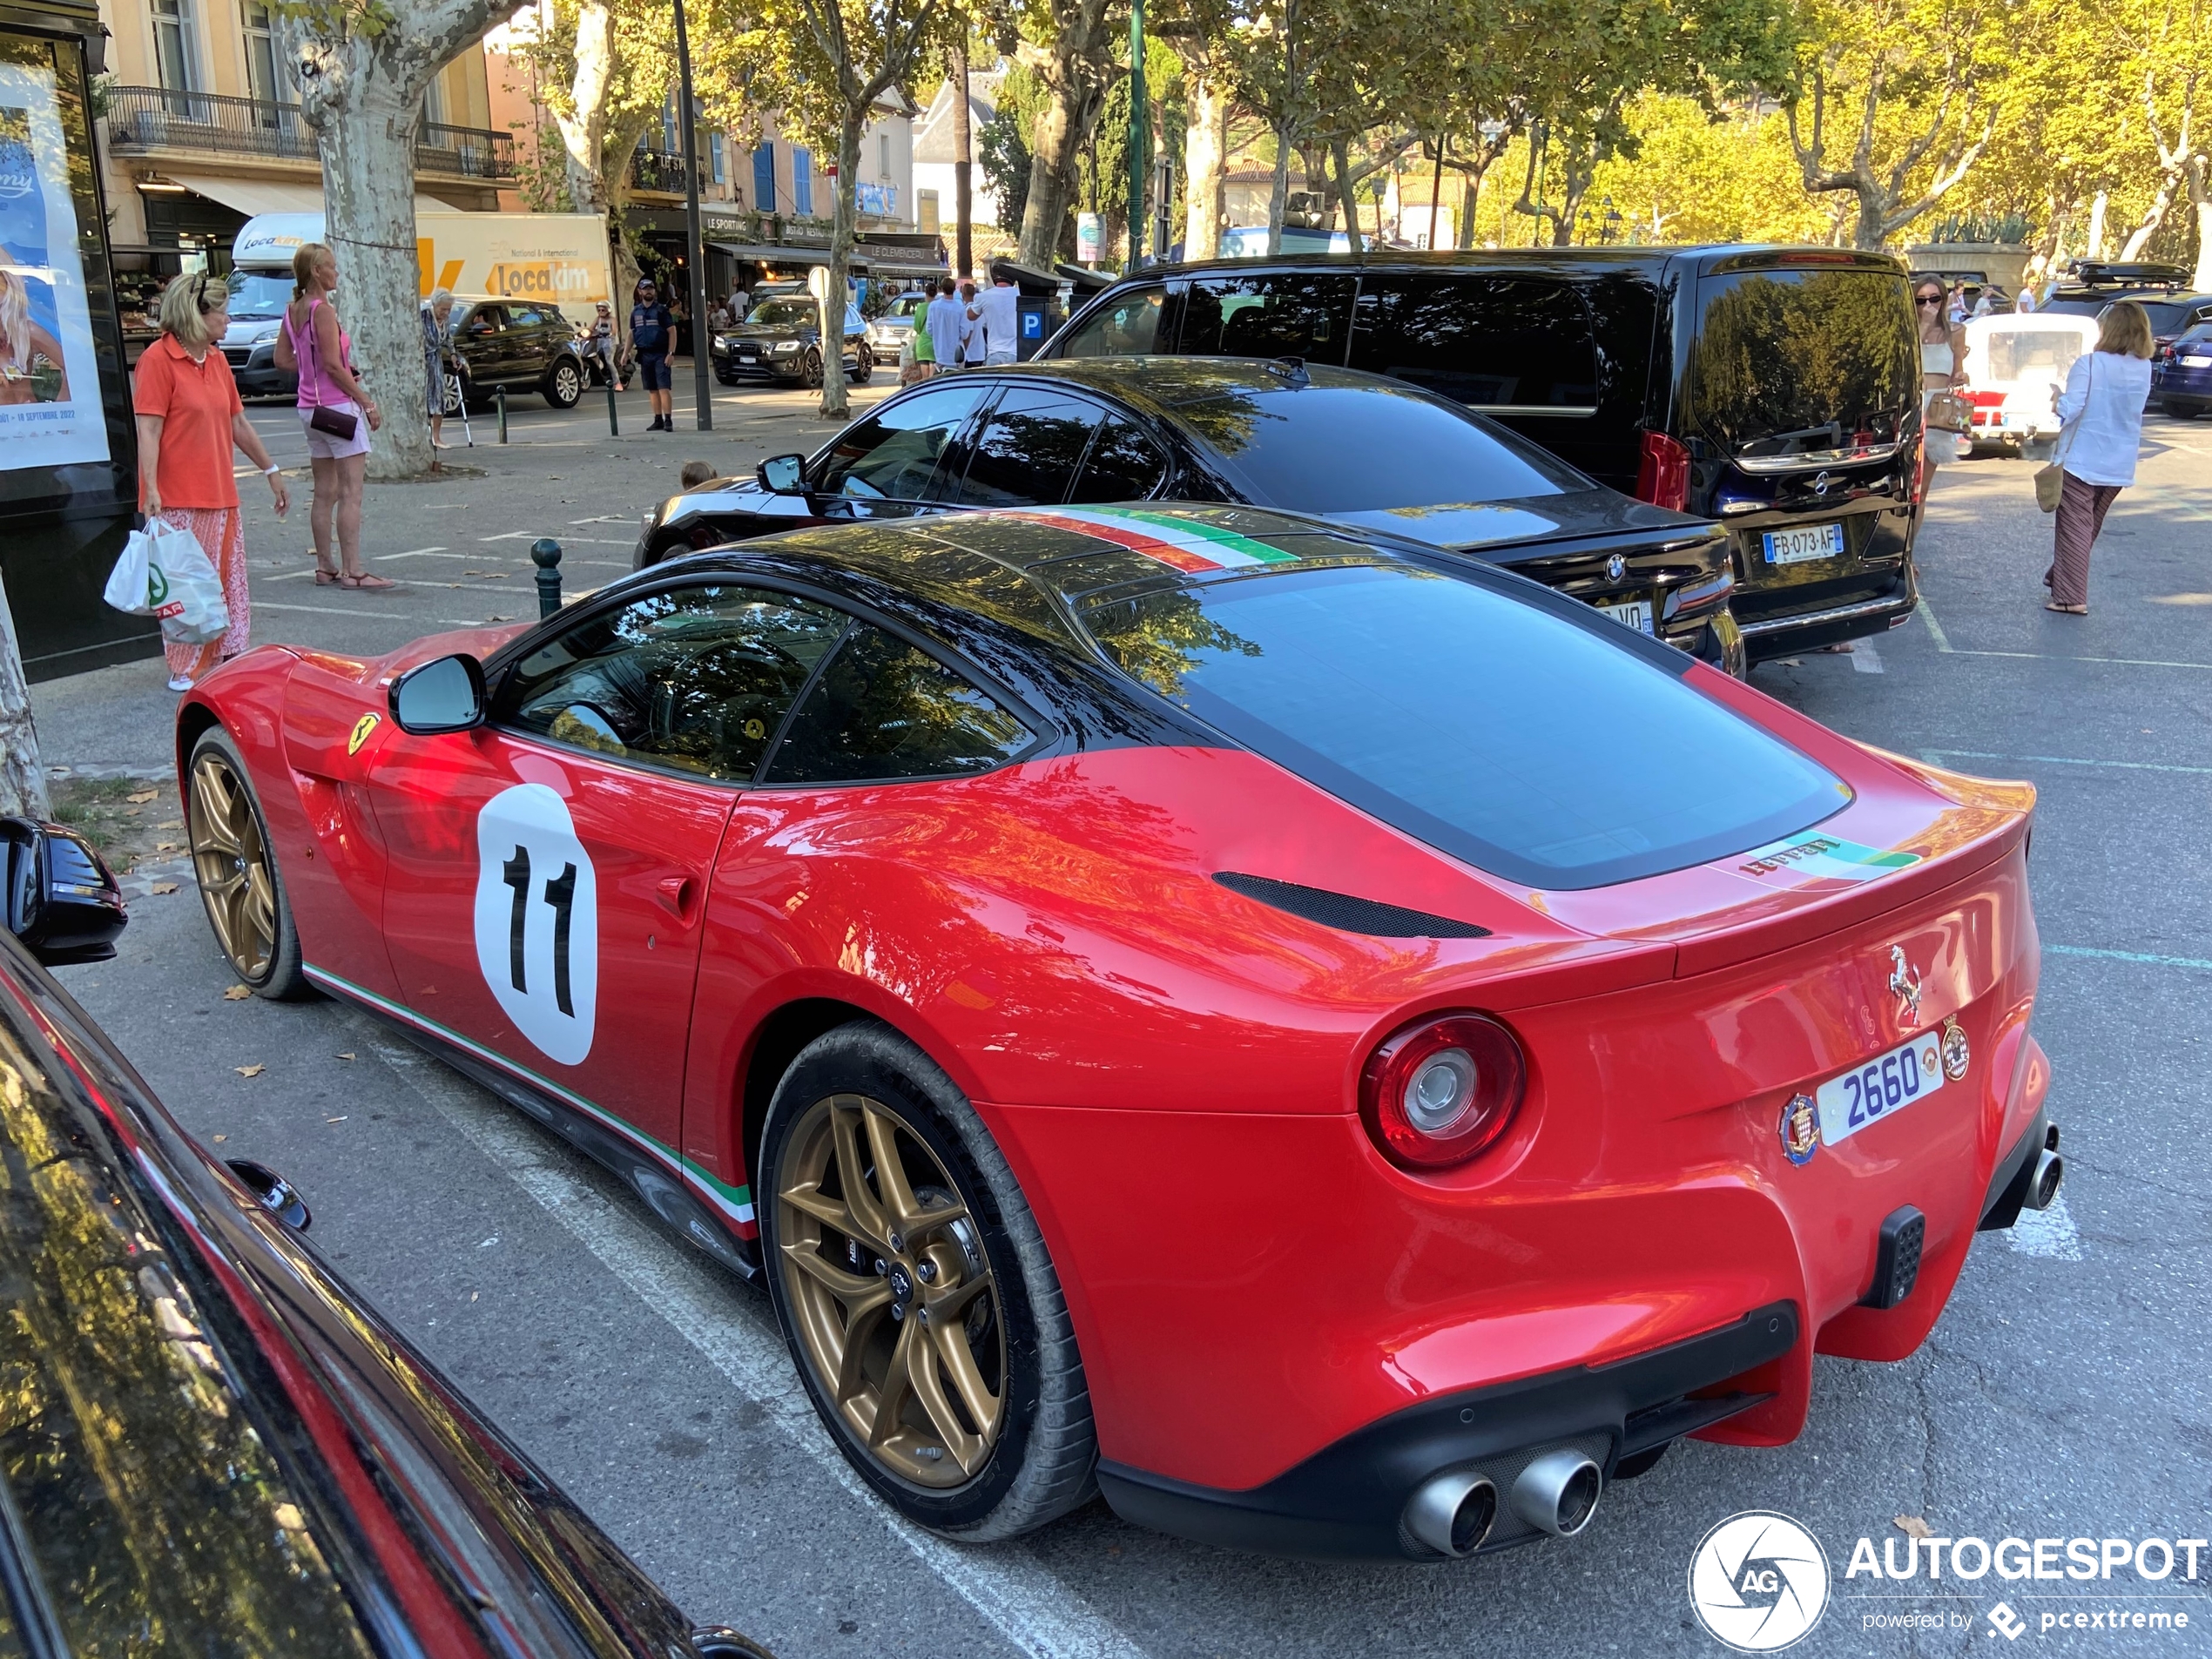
{"points": [[537, 920]]}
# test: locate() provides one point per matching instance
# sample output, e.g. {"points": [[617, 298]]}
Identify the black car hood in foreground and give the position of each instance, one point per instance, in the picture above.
{"points": [[210, 1445], [1530, 520]]}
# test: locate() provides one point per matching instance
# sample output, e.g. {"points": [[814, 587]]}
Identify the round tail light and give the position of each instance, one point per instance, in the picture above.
{"points": [[1441, 1090]]}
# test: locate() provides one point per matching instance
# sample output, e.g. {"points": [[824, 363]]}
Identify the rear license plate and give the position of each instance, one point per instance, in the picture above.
{"points": [[2196, 363], [1796, 547], [1881, 1088], [1632, 613]]}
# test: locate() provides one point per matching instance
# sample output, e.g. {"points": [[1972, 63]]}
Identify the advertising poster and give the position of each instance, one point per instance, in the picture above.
{"points": [[50, 414]]}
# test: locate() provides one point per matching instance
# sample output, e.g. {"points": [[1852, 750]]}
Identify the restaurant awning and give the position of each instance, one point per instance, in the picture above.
{"points": [[770, 253], [253, 197]]}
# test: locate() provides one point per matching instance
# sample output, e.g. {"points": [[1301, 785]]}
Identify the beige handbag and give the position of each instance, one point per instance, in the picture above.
{"points": [[2050, 479], [1949, 412]]}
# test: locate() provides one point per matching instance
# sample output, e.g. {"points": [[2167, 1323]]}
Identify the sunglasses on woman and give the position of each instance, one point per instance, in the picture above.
{"points": [[1929, 299]]}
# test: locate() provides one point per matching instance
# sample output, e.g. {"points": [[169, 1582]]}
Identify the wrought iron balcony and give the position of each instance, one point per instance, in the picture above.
{"points": [[146, 120], [662, 170]]}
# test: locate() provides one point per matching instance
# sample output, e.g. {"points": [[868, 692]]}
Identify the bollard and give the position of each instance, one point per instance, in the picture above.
{"points": [[500, 392], [614, 420], [545, 553]]}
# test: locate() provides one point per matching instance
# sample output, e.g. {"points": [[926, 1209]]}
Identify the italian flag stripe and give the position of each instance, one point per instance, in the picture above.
{"points": [[1173, 541]]}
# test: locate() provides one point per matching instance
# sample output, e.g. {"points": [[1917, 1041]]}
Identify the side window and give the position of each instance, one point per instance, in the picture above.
{"points": [[1511, 343], [893, 455], [483, 321], [1028, 450], [525, 317], [1127, 326], [1122, 465], [884, 709], [1289, 313], [696, 679]]}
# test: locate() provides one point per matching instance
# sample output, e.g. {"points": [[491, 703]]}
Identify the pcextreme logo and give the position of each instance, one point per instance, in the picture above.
{"points": [[1760, 1582]]}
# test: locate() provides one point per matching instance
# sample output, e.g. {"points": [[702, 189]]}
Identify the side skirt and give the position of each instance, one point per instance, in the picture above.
{"points": [[673, 1193]]}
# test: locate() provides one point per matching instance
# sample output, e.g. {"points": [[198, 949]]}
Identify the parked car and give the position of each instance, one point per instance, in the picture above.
{"points": [[1355, 448], [522, 345], [2163, 291], [889, 330], [258, 300], [1339, 1048], [2180, 374], [2012, 364], [213, 1446], [780, 342], [1776, 389]]}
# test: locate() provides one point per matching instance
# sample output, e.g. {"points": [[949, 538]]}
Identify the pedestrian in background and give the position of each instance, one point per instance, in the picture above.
{"points": [[600, 343], [313, 346], [1943, 368], [189, 419], [945, 323], [652, 331], [437, 340], [2101, 422], [1002, 321], [971, 326]]}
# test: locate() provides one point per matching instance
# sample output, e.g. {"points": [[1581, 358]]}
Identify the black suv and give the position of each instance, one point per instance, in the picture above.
{"points": [[1776, 389], [2163, 292], [523, 344]]}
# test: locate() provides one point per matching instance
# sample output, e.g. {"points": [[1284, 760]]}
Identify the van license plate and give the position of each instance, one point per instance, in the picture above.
{"points": [[1636, 613], [1797, 546], [1884, 1085]]}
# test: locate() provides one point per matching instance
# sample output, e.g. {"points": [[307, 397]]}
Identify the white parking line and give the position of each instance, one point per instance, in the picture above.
{"points": [[1020, 1597], [2048, 1233], [1864, 657]]}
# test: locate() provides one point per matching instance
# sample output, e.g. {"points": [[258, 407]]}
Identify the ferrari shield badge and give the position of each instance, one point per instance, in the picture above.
{"points": [[1955, 1053], [362, 727], [1800, 1130]]}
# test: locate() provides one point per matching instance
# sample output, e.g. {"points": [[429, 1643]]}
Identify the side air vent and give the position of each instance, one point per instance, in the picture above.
{"points": [[1342, 911]]}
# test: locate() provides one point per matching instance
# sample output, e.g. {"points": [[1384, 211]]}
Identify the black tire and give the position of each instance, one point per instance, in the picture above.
{"points": [[564, 384], [810, 372], [282, 978], [1042, 1463], [863, 366]]}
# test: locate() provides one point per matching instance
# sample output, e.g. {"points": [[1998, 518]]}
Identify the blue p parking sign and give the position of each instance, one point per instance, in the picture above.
{"points": [[1033, 325]]}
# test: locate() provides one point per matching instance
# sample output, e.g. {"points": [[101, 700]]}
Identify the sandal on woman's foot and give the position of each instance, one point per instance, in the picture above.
{"points": [[369, 582], [2067, 610], [326, 578]]}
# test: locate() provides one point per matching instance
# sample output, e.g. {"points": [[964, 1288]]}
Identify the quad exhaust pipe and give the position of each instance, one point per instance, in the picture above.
{"points": [[1453, 1512], [1558, 1492]]}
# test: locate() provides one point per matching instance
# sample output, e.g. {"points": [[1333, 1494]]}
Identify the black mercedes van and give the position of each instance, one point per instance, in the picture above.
{"points": [[1776, 389]]}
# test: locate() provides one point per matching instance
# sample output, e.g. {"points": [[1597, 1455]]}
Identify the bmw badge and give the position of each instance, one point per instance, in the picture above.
{"points": [[1615, 567]]}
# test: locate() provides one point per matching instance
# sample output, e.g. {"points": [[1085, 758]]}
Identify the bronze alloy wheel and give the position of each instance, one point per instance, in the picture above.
{"points": [[232, 861], [891, 1294]]}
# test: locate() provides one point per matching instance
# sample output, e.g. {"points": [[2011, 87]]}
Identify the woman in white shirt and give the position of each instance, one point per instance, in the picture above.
{"points": [[2100, 418], [1943, 368]]}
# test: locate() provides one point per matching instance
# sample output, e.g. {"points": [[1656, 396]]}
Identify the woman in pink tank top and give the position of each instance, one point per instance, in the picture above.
{"points": [[312, 345]]}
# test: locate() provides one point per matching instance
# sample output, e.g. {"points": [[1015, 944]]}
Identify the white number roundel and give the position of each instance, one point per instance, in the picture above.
{"points": [[537, 920]]}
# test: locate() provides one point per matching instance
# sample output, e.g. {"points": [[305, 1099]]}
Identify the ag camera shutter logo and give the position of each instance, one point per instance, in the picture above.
{"points": [[1758, 1582]]}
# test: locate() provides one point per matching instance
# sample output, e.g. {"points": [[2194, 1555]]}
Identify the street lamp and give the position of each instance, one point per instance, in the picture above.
{"points": [[702, 395], [1612, 221]]}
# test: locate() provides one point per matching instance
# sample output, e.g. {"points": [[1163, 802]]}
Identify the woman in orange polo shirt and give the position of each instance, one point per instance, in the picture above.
{"points": [[188, 418]]}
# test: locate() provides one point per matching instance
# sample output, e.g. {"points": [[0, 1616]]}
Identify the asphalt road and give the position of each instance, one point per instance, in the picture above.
{"points": [[2063, 1395]]}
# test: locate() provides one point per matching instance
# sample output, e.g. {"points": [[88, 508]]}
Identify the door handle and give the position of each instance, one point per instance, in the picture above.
{"points": [[680, 894]]}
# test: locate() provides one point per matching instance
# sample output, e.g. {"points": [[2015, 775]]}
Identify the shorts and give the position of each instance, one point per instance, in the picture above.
{"points": [[323, 446], [653, 369]]}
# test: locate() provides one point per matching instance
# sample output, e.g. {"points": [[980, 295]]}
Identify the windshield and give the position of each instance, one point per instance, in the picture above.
{"points": [[1374, 448], [259, 293], [1803, 362], [1517, 735], [782, 314]]}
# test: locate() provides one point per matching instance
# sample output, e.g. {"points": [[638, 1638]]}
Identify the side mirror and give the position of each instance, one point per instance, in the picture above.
{"points": [[782, 475], [274, 1192], [447, 695], [61, 900]]}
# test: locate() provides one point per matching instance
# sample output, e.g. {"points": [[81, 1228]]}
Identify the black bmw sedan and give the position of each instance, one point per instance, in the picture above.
{"points": [[1356, 449], [209, 1445]]}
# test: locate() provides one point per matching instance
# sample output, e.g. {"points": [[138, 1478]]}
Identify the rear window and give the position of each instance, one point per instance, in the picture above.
{"points": [[1126, 325], [2029, 353], [1803, 363], [1368, 449], [1512, 733], [1284, 314]]}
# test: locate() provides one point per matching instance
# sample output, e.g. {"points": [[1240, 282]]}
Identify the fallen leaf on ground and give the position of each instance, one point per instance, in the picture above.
{"points": [[165, 887], [1913, 1527], [222, 1137], [345, 1055], [249, 1071], [176, 823], [499, 619], [238, 992], [473, 1295], [168, 846], [140, 797], [339, 1119]]}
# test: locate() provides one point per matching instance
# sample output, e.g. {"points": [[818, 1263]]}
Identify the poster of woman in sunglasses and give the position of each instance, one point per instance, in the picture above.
{"points": [[50, 404]]}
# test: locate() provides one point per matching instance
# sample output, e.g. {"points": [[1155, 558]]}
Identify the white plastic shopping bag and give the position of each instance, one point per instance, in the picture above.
{"points": [[165, 573]]}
